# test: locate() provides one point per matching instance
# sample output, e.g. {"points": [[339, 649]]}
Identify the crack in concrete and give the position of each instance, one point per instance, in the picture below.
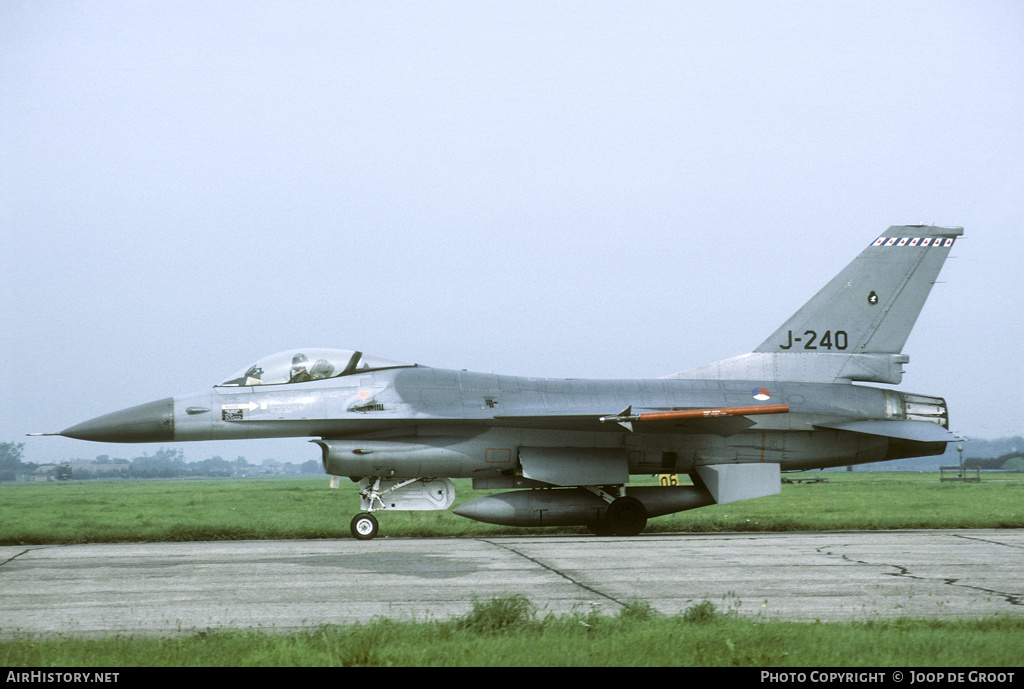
{"points": [[904, 572], [555, 571], [17, 555], [986, 540]]}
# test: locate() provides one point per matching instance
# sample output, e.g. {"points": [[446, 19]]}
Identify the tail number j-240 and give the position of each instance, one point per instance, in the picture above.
{"points": [[810, 340]]}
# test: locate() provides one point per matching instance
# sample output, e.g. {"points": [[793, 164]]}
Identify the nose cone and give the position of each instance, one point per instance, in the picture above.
{"points": [[152, 422]]}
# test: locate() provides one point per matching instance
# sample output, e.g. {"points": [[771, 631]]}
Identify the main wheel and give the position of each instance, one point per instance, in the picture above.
{"points": [[627, 516], [364, 526]]}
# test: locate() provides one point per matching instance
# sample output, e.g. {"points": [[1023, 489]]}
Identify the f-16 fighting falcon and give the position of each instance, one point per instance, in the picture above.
{"points": [[564, 450]]}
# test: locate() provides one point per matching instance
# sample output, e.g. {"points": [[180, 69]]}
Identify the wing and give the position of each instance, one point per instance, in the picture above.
{"points": [[723, 421]]}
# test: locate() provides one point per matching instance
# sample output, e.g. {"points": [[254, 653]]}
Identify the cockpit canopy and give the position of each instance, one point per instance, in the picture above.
{"points": [[302, 365]]}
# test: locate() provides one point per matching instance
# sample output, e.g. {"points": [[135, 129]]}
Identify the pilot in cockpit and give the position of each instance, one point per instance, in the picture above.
{"points": [[307, 365], [299, 374]]}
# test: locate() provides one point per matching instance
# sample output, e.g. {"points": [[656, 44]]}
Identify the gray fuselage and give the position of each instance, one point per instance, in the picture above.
{"points": [[489, 417]]}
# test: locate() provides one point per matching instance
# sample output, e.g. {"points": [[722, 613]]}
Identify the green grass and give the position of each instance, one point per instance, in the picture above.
{"points": [[866, 500], [508, 632], [232, 509], [187, 510]]}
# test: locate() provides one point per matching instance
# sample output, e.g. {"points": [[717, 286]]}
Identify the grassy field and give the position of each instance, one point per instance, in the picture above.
{"points": [[229, 509], [507, 632]]}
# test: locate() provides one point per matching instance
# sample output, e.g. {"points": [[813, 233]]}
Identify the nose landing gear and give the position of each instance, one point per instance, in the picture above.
{"points": [[376, 493], [364, 526]]}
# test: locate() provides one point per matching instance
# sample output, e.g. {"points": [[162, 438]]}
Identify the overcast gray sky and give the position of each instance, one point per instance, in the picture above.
{"points": [[562, 189]]}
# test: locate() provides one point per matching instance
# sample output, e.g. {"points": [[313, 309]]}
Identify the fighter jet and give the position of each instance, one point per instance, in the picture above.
{"points": [[563, 451]]}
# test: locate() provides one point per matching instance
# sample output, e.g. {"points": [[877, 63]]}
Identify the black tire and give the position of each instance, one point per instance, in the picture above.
{"points": [[627, 516], [364, 526]]}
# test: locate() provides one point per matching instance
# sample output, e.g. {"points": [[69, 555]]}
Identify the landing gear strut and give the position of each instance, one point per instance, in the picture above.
{"points": [[378, 493]]}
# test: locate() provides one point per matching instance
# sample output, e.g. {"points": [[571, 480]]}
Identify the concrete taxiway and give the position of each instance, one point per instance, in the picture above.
{"points": [[169, 588]]}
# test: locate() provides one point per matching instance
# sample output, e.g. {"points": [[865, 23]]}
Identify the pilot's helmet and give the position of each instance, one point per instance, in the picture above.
{"points": [[299, 358]]}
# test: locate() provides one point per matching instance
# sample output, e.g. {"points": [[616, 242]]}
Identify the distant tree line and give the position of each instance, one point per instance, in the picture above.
{"points": [[164, 463], [1011, 461], [10, 461]]}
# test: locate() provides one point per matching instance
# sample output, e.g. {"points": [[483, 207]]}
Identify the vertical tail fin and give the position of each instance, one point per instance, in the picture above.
{"points": [[856, 326], [875, 301]]}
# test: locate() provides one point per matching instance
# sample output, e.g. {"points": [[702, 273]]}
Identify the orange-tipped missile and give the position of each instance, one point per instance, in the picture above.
{"points": [[627, 419]]}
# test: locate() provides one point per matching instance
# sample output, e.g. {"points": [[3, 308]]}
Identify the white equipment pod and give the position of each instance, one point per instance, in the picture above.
{"points": [[406, 494]]}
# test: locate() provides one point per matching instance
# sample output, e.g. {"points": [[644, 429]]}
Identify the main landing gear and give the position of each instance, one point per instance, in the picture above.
{"points": [[625, 516]]}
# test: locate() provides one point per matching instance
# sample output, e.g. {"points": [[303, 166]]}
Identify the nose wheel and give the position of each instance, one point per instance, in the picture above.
{"points": [[364, 526]]}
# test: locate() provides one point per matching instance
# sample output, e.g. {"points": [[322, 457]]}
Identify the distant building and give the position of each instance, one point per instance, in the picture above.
{"points": [[44, 472], [81, 468]]}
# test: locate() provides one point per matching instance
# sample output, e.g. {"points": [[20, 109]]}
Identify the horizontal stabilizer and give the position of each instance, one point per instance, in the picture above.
{"points": [[904, 429], [733, 482]]}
